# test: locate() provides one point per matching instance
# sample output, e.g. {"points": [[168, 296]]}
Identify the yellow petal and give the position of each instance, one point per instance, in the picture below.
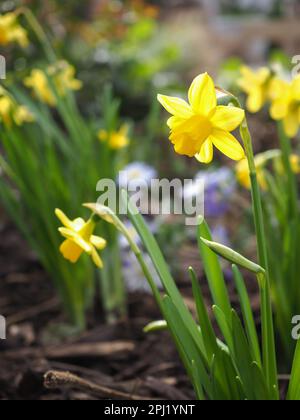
{"points": [[174, 122], [175, 106], [202, 94], [96, 259], [279, 110], [227, 144], [207, 152], [70, 251], [291, 124], [255, 100], [63, 218], [98, 242], [228, 118], [72, 235]]}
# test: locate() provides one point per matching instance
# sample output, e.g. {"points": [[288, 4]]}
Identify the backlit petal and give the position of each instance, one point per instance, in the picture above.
{"points": [[98, 242], [227, 144], [63, 218], [96, 259], [202, 94], [175, 106], [207, 152], [228, 118]]}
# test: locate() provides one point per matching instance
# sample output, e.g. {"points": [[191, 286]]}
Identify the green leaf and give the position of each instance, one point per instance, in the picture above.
{"points": [[247, 315], [213, 272], [164, 273], [208, 333], [294, 387]]}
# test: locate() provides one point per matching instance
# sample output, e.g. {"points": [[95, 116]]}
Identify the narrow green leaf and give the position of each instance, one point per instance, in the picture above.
{"points": [[213, 272], [247, 315]]}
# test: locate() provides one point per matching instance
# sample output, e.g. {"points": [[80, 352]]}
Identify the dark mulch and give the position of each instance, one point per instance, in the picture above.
{"points": [[119, 357]]}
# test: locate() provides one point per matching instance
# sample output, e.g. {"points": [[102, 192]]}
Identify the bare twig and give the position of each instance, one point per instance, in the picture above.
{"points": [[57, 380]]}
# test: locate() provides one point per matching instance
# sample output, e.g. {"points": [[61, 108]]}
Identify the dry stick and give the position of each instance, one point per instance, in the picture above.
{"points": [[57, 380]]}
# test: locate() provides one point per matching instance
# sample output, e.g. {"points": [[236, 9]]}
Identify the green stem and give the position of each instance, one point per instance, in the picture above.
{"points": [[40, 33], [269, 352], [286, 148]]}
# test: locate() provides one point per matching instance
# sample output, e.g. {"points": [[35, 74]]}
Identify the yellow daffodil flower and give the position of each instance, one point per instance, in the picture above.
{"points": [[79, 239], [11, 111], [295, 164], [261, 161], [198, 126], [38, 82], [285, 106], [11, 31], [243, 175], [116, 140], [63, 76], [256, 85]]}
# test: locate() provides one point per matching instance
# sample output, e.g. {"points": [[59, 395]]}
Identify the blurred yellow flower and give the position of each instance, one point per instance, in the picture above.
{"points": [[63, 76], [198, 126], [295, 164], [285, 106], [243, 174], [116, 140], [39, 83], [79, 239], [11, 31], [261, 160], [11, 111], [256, 85]]}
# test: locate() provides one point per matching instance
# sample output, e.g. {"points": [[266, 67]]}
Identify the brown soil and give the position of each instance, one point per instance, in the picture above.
{"points": [[118, 357]]}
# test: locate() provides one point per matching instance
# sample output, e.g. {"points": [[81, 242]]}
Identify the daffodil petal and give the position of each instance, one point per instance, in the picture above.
{"points": [[255, 100], [96, 258], [207, 152], [228, 118], [78, 223], [71, 251], [202, 94], [98, 242], [70, 234], [278, 110], [227, 144], [175, 106], [174, 122], [63, 218], [291, 124]]}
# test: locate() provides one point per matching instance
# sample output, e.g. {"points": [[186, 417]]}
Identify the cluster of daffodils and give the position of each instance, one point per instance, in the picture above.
{"points": [[61, 75], [262, 86], [116, 140], [262, 160], [11, 111], [11, 31], [80, 239], [200, 125]]}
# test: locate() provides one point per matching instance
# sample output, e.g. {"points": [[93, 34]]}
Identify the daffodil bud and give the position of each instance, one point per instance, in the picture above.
{"points": [[233, 257]]}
